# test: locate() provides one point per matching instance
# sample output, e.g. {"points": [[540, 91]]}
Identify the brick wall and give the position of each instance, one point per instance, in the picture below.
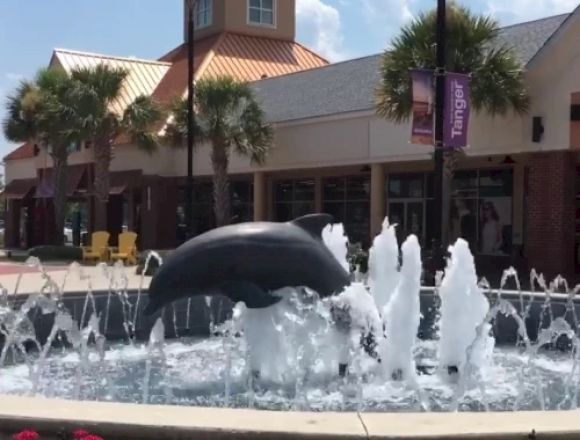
{"points": [[550, 213]]}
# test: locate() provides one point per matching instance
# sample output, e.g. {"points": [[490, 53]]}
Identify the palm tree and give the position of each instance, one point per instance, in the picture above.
{"points": [[104, 85], [50, 111], [226, 116], [497, 85]]}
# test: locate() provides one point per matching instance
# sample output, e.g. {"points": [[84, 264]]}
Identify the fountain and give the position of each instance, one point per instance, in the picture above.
{"points": [[357, 350]]}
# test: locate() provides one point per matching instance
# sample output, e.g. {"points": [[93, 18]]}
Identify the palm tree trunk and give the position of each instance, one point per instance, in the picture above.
{"points": [[60, 168], [102, 155], [221, 184], [451, 159]]}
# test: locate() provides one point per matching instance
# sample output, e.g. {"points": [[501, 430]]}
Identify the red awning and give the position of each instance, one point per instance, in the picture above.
{"points": [[19, 188], [45, 189]]}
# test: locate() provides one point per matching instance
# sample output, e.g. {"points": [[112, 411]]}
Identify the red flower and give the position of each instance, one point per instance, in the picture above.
{"points": [[80, 434], [27, 435]]}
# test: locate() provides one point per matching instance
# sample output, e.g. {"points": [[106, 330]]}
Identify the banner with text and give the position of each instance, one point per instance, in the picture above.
{"points": [[423, 108], [456, 110]]}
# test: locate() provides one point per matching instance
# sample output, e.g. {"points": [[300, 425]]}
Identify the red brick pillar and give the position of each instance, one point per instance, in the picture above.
{"points": [[551, 213], [159, 213], [12, 223]]}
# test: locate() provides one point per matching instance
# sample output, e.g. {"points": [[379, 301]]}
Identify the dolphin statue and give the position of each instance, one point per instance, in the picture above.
{"points": [[248, 262]]}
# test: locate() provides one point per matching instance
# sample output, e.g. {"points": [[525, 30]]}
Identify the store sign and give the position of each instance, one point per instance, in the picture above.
{"points": [[457, 101]]}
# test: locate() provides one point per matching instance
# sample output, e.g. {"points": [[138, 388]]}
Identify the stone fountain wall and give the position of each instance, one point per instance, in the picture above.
{"points": [[196, 321]]}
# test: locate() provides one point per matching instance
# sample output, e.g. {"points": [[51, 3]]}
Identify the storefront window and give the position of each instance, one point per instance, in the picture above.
{"points": [[241, 205], [481, 208], [348, 200], [408, 196], [242, 201], [495, 212], [293, 199]]}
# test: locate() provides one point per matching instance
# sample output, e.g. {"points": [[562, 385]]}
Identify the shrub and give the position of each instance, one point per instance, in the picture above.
{"points": [[56, 253]]}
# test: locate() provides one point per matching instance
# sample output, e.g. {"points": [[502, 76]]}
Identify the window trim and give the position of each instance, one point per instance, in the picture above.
{"points": [[196, 13], [274, 24]]}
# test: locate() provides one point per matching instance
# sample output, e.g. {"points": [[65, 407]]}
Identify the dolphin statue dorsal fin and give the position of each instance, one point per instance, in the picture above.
{"points": [[314, 223]]}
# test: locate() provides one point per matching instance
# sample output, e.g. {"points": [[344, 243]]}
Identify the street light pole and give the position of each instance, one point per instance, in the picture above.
{"points": [[438, 214], [190, 120]]}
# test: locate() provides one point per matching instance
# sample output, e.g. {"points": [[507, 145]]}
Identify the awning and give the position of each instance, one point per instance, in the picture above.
{"points": [[45, 188], [19, 188], [120, 181]]}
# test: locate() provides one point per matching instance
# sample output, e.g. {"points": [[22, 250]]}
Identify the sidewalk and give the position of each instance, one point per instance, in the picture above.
{"points": [[31, 279]]}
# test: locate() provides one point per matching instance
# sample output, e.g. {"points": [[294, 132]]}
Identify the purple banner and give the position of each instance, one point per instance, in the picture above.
{"points": [[456, 110], [423, 114]]}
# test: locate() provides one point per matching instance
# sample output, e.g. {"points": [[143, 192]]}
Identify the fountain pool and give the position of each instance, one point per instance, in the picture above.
{"points": [[287, 357]]}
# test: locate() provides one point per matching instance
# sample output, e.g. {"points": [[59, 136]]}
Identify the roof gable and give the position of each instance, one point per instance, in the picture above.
{"points": [[527, 39], [143, 75]]}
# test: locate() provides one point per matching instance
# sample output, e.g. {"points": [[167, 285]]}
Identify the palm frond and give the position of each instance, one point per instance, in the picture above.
{"points": [[105, 81], [497, 78], [139, 121], [19, 124]]}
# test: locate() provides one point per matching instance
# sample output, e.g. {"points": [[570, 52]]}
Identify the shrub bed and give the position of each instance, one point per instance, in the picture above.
{"points": [[56, 253]]}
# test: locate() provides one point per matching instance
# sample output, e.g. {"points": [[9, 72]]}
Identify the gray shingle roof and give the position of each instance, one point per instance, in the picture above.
{"points": [[337, 88], [528, 38], [350, 86]]}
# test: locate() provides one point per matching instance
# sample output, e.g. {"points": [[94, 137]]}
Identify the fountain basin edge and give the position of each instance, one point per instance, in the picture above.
{"points": [[115, 421]]}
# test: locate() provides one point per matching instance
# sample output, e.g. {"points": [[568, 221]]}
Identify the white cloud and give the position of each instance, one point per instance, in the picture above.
{"points": [[513, 11], [388, 16], [14, 76], [325, 24]]}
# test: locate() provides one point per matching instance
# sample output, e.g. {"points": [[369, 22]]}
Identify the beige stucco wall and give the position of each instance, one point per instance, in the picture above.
{"points": [[236, 19], [19, 169], [553, 77], [130, 157], [232, 16]]}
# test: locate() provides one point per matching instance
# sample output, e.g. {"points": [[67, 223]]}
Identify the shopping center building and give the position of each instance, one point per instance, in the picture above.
{"points": [[332, 153]]}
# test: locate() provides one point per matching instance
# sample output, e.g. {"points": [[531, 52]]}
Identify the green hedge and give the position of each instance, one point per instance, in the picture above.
{"points": [[153, 263], [56, 253]]}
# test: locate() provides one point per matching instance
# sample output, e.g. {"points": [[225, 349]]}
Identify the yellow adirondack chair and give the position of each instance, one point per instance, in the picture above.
{"points": [[99, 247], [127, 250]]}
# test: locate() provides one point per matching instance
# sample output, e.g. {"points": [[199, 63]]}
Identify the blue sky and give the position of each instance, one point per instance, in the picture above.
{"points": [[338, 29]]}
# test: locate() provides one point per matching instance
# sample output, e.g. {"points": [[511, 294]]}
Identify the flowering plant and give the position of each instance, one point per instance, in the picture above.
{"points": [[77, 435]]}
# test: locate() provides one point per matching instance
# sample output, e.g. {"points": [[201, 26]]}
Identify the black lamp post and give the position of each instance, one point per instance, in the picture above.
{"points": [[438, 214], [190, 118]]}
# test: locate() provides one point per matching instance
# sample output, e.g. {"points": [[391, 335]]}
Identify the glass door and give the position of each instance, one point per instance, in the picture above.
{"points": [[409, 217]]}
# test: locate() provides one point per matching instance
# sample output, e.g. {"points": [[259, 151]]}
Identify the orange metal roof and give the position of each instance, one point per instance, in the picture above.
{"points": [[143, 78], [244, 57], [249, 58], [25, 151]]}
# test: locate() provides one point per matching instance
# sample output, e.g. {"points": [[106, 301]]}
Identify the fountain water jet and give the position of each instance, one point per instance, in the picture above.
{"points": [[463, 308], [402, 315]]}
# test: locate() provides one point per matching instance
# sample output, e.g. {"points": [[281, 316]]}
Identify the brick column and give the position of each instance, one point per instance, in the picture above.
{"points": [[318, 196], [260, 201], [551, 213], [378, 207], [159, 213], [12, 223]]}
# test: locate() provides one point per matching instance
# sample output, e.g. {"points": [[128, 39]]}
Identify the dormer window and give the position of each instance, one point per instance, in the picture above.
{"points": [[203, 13], [262, 12]]}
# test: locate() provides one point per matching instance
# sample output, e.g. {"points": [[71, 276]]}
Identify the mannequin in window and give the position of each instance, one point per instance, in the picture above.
{"points": [[463, 224], [491, 230]]}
